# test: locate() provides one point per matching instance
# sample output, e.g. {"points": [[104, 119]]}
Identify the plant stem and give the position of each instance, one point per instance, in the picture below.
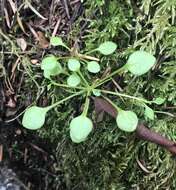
{"points": [[86, 106], [34, 10], [63, 100], [124, 95], [84, 80], [91, 51], [82, 56], [66, 86], [64, 57], [26, 67], [107, 78], [166, 113], [67, 47], [11, 42], [112, 103]]}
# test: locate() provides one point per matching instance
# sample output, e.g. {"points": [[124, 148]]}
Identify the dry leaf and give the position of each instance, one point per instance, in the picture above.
{"points": [[43, 42], [13, 6], [22, 43], [11, 103], [7, 17], [20, 24], [33, 31]]}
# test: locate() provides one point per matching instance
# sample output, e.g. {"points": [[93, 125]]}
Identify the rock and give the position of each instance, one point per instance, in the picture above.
{"points": [[8, 180]]}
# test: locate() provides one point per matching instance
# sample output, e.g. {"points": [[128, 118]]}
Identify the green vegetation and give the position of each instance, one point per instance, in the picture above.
{"points": [[107, 158], [81, 126]]}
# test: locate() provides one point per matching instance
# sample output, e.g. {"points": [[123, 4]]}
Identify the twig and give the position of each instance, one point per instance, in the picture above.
{"points": [[56, 27], [34, 10], [142, 132], [65, 3], [1, 153]]}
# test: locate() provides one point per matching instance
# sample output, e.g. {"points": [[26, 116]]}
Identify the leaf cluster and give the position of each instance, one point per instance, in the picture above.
{"points": [[81, 126]]}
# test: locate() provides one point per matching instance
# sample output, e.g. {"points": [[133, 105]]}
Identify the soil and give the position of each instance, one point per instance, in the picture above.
{"points": [[30, 157]]}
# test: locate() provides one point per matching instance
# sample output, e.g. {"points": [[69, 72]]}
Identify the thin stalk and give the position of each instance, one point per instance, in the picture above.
{"points": [[91, 51], [86, 106], [63, 100], [19, 53], [67, 47], [166, 113], [82, 56], [107, 78], [64, 57], [112, 103], [6, 37], [34, 10], [66, 86], [11, 42], [30, 75], [124, 95], [82, 77]]}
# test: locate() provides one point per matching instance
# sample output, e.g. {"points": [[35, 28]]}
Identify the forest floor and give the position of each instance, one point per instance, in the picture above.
{"points": [[109, 159]]}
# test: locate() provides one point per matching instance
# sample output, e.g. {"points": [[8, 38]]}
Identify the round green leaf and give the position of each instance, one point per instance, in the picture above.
{"points": [[96, 92], [127, 121], [51, 66], [56, 41], [34, 117], [73, 80], [47, 74], [140, 62], [107, 48], [93, 67], [48, 63], [159, 101], [149, 113], [73, 64], [80, 127]]}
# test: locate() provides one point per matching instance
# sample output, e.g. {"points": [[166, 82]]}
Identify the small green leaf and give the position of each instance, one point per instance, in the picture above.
{"points": [[56, 41], [107, 48], [51, 66], [80, 127], [73, 65], [159, 101], [49, 62], [47, 74], [93, 67], [96, 92], [34, 117], [127, 121], [49, 86], [140, 62], [149, 112], [73, 80]]}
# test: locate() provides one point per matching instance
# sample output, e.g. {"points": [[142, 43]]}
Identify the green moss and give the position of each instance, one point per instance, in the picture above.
{"points": [[110, 159]]}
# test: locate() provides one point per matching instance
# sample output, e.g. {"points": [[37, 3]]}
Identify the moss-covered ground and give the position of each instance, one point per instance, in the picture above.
{"points": [[109, 159]]}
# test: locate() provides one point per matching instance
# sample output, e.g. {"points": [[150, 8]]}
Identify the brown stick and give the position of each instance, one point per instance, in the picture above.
{"points": [[142, 132]]}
